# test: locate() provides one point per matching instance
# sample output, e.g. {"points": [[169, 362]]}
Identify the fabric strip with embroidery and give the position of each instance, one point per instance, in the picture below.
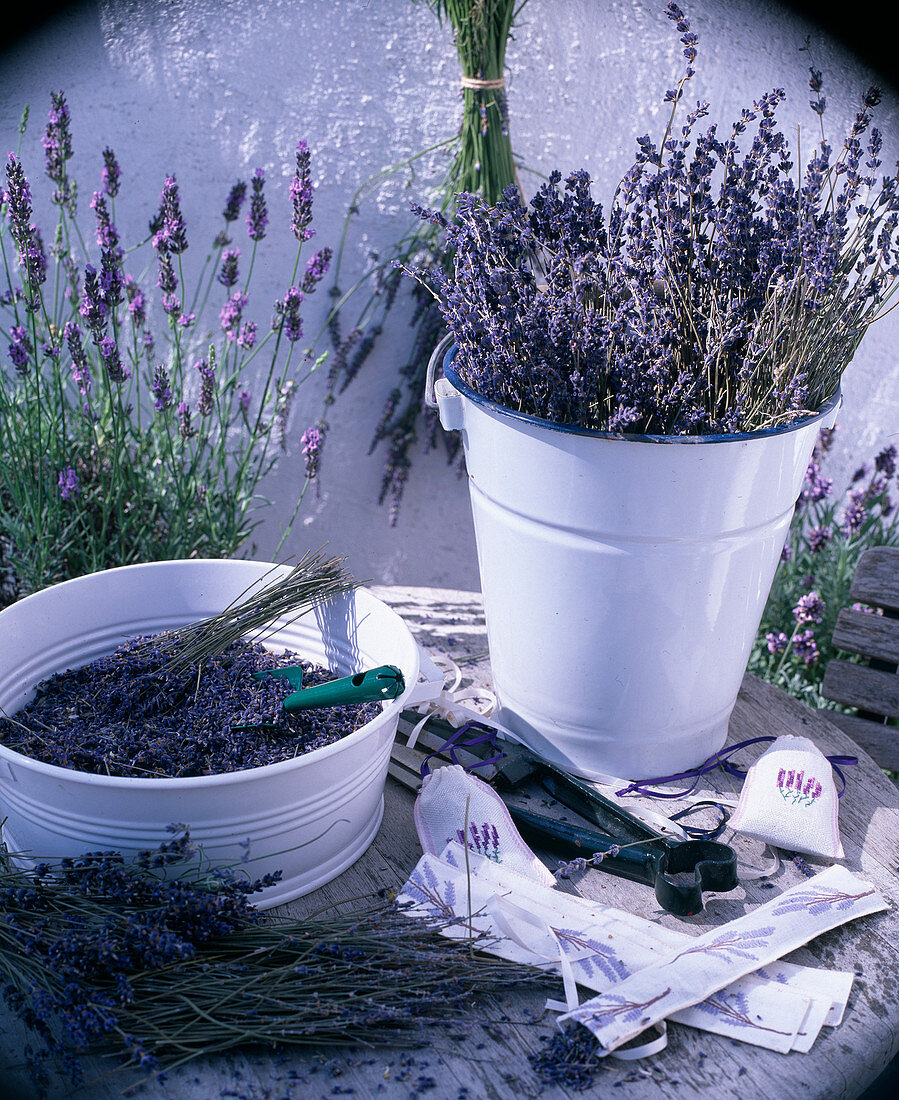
{"points": [[713, 961]]}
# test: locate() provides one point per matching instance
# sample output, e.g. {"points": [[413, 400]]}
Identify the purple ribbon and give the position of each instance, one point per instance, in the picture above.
{"points": [[486, 736], [720, 760]]}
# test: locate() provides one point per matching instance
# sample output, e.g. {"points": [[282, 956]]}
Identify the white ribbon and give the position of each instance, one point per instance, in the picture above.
{"points": [[435, 699], [512, 921]]}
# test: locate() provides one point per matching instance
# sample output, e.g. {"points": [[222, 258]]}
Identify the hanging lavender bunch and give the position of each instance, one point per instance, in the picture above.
{"points": [[482, 161]]}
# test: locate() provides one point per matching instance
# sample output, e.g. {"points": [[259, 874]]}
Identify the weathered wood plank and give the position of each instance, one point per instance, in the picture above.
{"points": [[855, 685], [868, 635], [879, 741], [876, 579]]}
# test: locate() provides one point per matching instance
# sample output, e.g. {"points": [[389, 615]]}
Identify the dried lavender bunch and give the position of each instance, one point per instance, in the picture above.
{"points": [[723, 292], [314, 580], [130, 714], [100, 957], [127, 432], [482, 161]]}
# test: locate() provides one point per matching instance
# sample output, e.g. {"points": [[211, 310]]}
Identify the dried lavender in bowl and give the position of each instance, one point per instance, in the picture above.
{"points": [[185, 703], [135, 713]]}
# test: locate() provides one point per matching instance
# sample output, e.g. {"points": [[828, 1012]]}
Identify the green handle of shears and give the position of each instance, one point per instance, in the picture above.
{"points": [[385, 682]]}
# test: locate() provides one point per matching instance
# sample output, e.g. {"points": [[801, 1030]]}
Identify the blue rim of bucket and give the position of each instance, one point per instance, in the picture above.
{"points": [[489, 405]]}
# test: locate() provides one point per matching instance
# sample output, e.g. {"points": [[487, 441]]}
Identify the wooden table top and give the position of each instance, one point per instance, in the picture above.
{"points": [[491, 1062]]}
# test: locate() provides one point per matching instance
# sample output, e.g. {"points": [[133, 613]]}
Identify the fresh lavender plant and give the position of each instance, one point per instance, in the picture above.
{"points": [[117, 444], [724, 290], [826, 540]]}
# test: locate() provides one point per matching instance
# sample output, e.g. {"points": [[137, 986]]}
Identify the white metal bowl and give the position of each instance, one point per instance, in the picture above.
{"points": [[310, 817]]}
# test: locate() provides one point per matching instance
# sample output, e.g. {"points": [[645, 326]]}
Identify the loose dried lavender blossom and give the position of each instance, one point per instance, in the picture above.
{"points": [[725, 291], [124, 714]]}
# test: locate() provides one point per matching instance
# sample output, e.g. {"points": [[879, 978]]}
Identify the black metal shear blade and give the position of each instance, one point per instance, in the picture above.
{"points": [[649, 857]]}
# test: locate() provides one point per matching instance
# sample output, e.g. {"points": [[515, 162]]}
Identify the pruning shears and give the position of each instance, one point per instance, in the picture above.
{"points": [[625, 845]]}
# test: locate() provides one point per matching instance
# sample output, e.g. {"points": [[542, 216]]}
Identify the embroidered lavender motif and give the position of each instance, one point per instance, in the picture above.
{"points": [[795, 788], [425, 888], [603, 960], [729, 945], [484, 841], [734, 1008], [617, 1006], [818, 901]]}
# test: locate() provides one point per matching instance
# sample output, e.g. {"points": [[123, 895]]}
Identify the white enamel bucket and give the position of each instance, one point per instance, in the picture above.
{"points": [[624, 577], [310, 817]]}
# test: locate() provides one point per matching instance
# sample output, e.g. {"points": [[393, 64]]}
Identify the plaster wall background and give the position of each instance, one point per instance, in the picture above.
{"points": [[211, 89]]}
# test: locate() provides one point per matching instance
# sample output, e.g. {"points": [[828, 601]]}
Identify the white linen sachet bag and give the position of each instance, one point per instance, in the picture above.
{"points": [[789, 799], [453, 803]]}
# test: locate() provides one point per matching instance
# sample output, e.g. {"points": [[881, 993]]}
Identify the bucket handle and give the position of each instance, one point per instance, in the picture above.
{"points": [[430, 379]]}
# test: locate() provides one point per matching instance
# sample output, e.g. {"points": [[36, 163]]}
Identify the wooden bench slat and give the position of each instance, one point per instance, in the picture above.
{"points": [[868, 635], [876, 579], [879, 742], [858, 686]]}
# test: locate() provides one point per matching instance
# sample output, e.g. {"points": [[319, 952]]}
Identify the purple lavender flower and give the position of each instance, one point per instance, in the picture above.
{"points": [[809, 608], [170, 234], [57, 142], [316, 268], [282, 412], [257, 217], [311, 442], [184, 418], [81, 371], [68, 483], [107, 234], [167, 281], [855, 514], [161, 389], [94, 308], [288, 309], [301, 195], [116, 372], [243, 399], [20, 349], [206, 399], [815, 487], [227, 275], [818, 537], [247, 336], [235, 201], [18, 200], [805, 647], [776, 642], [230, 315], [137, 305], [111, 173], [27, 236]]}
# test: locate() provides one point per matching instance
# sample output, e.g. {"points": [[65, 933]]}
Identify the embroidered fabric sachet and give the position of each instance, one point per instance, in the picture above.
{"points": [[696, 972], [598, 947], [789, 799], [453, 803]]}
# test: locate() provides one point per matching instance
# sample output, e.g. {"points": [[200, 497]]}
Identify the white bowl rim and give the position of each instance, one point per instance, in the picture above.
{"points": [[95, 779]]}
